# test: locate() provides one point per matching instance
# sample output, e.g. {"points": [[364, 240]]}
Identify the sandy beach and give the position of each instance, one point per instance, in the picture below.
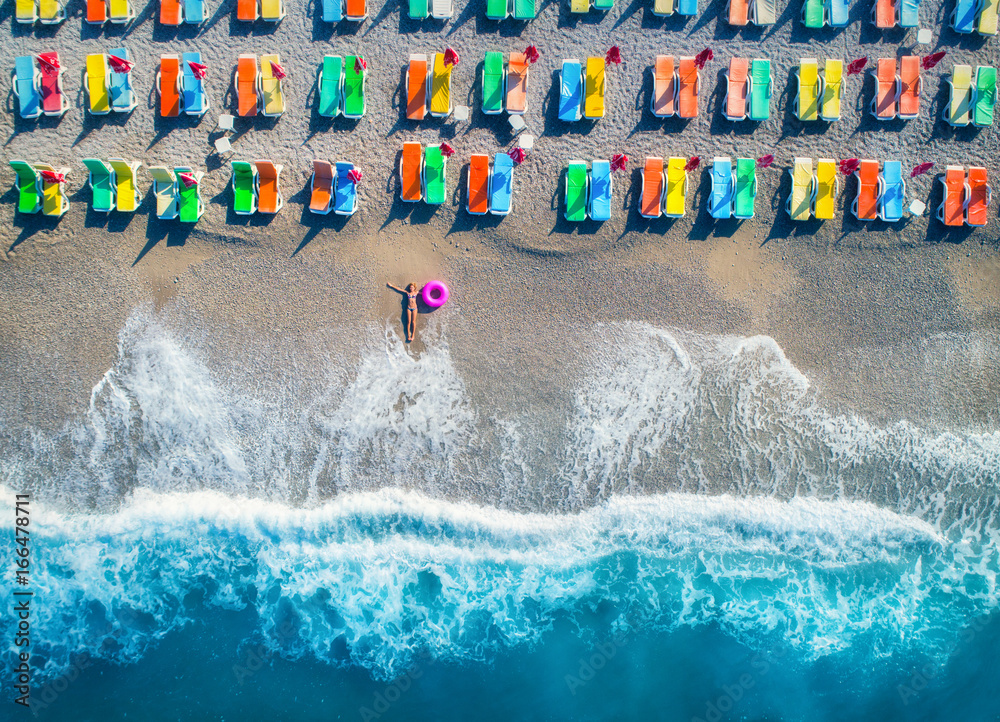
{"points": [[865, 310]]}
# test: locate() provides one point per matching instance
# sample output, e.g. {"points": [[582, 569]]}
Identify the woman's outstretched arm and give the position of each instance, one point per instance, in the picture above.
{"points": [[397, 289]]}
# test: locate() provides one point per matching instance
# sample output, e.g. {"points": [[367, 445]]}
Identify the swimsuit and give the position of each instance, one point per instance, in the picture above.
{"points": [[412, 306]]}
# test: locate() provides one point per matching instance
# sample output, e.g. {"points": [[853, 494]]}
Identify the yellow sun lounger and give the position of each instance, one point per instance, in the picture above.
{"points": [[664, 7], [26, 11], [54, 200], [807, 99], [800, 200], [165, 191], [593, 93], [833, 90], [441, 88], [127, 192], [51, 12], [677, 188], [272, 11], [827, 187], [121, 11], [958, 112], [96, 83], [270, 87]]}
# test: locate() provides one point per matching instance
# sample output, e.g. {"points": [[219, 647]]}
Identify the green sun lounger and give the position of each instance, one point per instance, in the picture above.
{"points": [[244, 188], [331, 86], [746, 187], [493, 83], [497, 9], [102, 183], [419, 9], [434, 179], [812, 13], [189, 204], [29, 187], [760, 94], [986, 96], [576, 191], [604, 4], [354, 88], [524, 9]]}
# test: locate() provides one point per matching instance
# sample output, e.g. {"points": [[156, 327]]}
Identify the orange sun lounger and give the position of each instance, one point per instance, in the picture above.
{"points": [[269, 199], [951, 212], [171, 12], [97, 11], [687, 92], [246, 86], [651, 202], [910, 86], [737, 89], [416, 88], [886, 89], [885, 13], [409, 172], [517, 83], [980, 196], [247, 10], [356, 10], [169, 85], [866, 204], [479, 184], [321, 197], [739, 12], [663, 103]]}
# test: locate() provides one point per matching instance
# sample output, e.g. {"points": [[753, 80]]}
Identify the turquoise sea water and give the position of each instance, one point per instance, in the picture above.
{"points": [[706, 541]]}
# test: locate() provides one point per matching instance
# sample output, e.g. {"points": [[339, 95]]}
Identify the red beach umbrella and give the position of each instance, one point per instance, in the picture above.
{"points": [[120, 65], [450, 57], [613, 56], [50, 62], [51, 176], [355, 175], [619, 161], [447, 151], [929, 61], [188, 179], [692, 164], [279, 72], [531, 54], [703, 57], [920, 169], [360, 65], [517, 155], [765, 161], [857, 66], [200, 70], [849, 165]]}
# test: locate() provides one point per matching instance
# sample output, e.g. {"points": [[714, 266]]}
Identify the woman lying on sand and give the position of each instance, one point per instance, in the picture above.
{"points": [[411, 307]]}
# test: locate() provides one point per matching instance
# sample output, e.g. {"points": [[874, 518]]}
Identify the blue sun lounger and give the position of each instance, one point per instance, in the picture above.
{"points": [[195, 99], [501, 184], [963, 17], [345, 194], [909, 11], [333, 11], [837, 13], [600, 190], [720, 201], [29, 99], [687, 7], [123, 98], [194, 11], [570, 90], [893, 191]]}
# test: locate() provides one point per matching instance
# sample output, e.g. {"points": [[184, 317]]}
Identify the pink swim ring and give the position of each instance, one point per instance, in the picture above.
{"points": [[435, 294]]}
